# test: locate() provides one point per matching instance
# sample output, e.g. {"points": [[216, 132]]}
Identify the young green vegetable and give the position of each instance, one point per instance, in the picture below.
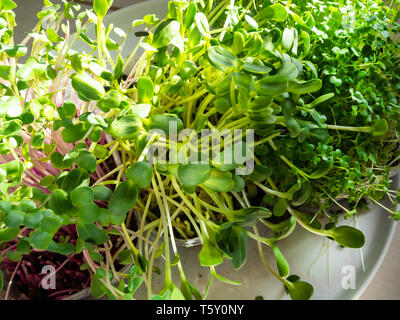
{"points": [[319, 90]]}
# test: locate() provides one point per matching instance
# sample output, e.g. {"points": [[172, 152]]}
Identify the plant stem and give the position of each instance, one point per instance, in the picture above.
{"points": [[273, 192], [347, 128], [168, 277], [10, 282]]}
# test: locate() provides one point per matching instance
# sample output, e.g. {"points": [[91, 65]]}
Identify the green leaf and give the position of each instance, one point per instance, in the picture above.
{"points": [[15, 51], [260, 173], [97, 289], [336, 81], [23, 246], [231, 157], [219, 181], [233, 241], [10, 128], [104, 217], [145, 89], [73, 133], [289, 70], [31, 69], [195, 292], [87, 87], [101, 7], [58, 161], [60, 203], [86, 160], [76, 62], [37, 140], [53, 36], [102, 193], [287, 38], [140, 173], [112, 99], [255, 68], [149, 19], [304, 87], [282, 264], [7, 5], [100, 71], [348, 236], [82, 196], [319, 100], [280, 207], [222, 104], [6, 72], [142, 263], [175, 260], [190, 13], [192, 174], [13, 256], [323, 169], [210, 255], [168, 33], [91, 233], [176, 294], [202, 24], [141, 110], [119, 67], [32, 220], [50, 222], [302, 195], [300, 290], [163, 122], [200, 123], [248, 217], [252, 24], [306, 42], [61, 248], [40, 240], [272, 85], [284, 228], [70, 180], [309, 219], [173, 85], [125, 257], [14, 170], [275, 12], [221, 58], [380, 128], [294, 127], [89, 213], [239, 43], [127, 127], [244, 81], [188, 70], [298, 19], [122, 200], [14, 218], [8, 234], [134, 284], [239, 184], [100, 151], [67, 111]]}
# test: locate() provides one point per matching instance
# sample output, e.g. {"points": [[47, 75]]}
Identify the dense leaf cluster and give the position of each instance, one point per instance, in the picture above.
{"points": [[317, 81]]}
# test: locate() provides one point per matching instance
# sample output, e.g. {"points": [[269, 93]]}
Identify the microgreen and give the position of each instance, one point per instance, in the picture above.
{"points": [[77, 129]]}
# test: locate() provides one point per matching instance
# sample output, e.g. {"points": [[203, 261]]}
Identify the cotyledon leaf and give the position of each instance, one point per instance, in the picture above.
{"points": [[323, 169]]}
